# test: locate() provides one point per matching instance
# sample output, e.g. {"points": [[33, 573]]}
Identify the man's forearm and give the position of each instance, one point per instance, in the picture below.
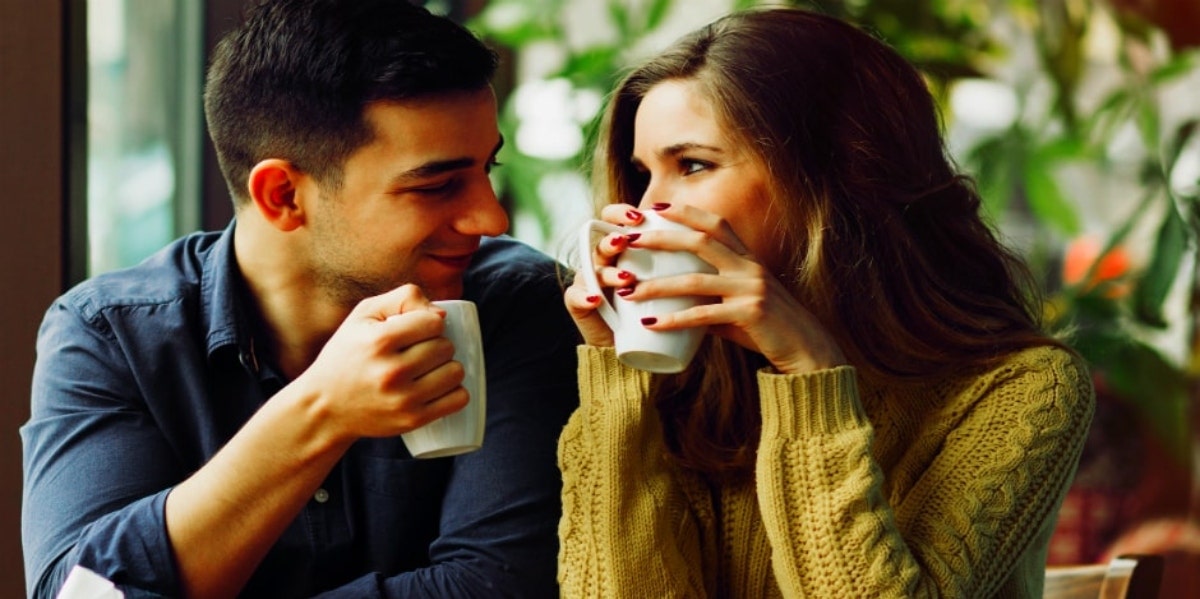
{"points": [[224, 518]]}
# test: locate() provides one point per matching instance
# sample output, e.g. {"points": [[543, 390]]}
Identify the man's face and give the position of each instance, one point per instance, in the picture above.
{"points": [[413, 202]]}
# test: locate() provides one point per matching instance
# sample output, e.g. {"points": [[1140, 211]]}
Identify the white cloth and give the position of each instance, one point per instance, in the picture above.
{"points": [[84, 584]]}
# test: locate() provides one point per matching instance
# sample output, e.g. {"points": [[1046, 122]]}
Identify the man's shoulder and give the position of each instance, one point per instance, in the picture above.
{"points": [[168, 276], [510, 262], [513, 283]]}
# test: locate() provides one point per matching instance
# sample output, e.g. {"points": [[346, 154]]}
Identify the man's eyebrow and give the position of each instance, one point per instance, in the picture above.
{"points": [[437, 167]]}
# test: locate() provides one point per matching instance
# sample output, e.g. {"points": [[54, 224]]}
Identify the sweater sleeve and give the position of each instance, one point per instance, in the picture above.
{"points": [[1012, 439], [621, 495]]}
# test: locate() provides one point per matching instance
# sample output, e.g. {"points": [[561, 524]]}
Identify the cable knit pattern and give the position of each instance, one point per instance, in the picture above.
{"points": [[949, 489]]}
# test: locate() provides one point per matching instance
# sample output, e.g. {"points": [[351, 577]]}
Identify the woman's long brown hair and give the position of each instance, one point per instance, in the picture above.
{"points": [[882, 240]]}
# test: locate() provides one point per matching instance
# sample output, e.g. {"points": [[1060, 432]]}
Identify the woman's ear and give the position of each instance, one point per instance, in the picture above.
{"points": [[273, 185]]}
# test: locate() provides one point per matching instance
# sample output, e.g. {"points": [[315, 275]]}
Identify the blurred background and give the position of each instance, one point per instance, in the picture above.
{"points": [[1078, 119]]}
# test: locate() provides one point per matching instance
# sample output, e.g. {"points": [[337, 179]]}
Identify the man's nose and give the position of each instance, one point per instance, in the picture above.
{"points": [[482, 213]]}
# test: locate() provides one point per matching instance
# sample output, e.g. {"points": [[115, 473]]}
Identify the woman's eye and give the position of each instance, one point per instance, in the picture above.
{"points": [[691, 167], [491, 165]]}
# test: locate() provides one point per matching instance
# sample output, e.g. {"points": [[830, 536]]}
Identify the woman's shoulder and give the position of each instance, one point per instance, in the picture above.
{"points": [[1045, 374], [1051, 359]]}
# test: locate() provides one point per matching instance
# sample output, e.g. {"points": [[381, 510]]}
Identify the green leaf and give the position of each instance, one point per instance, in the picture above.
{"points": [[594, 67], [1148, 124], [1177, 66], [535, 23], [1065, 147], [1182, 134], [1047, 201], [996, 169], [655, 13], [1111, 114], [1156, 282], [620, 17]]}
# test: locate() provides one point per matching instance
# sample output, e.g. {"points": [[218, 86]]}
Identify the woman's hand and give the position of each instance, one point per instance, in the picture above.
{"points": [[581, 303], [754, 309]]}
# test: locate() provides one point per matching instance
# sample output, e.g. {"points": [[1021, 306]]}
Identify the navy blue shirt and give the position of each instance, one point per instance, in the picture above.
{"points": [[143, 374]]}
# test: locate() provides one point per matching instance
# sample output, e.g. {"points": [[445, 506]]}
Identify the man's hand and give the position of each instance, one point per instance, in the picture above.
{"points": [[387, 369]]}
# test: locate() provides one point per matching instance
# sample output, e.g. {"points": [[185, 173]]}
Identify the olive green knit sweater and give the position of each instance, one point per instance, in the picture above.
{"points": [[904, 491]]}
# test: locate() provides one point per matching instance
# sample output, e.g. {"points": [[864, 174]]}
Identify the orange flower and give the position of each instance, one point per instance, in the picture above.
{"points": [[1082, 252]]}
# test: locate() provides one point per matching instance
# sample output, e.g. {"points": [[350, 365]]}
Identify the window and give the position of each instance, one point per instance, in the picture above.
{"points": [[140, 186]]}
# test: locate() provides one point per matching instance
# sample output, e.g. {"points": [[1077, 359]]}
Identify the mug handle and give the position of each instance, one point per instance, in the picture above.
{"points": [[590, 280]]}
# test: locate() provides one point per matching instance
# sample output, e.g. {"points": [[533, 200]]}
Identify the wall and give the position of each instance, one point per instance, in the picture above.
{"points": [[31, 172]]}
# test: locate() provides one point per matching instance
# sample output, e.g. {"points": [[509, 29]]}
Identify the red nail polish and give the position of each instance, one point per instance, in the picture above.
{"points": [[660, 206], [624, 291], [591, 299], [616, 241], [649, 320], [624, 275], [633, 215], [632, 237]]}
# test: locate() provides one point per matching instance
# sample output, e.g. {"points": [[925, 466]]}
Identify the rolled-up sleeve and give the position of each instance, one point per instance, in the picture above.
{"points": [[96, 467]]}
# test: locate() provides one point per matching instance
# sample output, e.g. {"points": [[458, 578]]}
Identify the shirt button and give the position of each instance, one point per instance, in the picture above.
{"points": [[321, 496]]}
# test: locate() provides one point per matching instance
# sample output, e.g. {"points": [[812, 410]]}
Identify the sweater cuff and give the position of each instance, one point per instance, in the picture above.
{"points": [[804, 405], [605, 381]]}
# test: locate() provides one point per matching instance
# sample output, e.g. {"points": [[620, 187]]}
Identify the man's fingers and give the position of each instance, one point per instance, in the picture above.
{"points": [[400, 300], [400, 331], [419, 359], [445, 404]]}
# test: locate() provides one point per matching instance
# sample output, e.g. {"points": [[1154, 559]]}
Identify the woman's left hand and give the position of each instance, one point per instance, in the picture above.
{"points": [[754, 309]]}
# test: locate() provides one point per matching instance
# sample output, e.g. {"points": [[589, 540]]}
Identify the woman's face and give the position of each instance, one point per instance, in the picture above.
{"points": [[689, 158]]}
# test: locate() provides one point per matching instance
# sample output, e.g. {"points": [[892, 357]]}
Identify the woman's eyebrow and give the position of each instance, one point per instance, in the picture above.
{"points": [[687, 146], [675, 150]]}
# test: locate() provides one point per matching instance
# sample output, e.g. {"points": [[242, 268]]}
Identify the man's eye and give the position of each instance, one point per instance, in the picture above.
{"points": [[439, 188]]}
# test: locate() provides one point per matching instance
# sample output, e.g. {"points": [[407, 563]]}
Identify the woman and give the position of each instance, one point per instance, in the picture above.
{"points": [[875, 412]]}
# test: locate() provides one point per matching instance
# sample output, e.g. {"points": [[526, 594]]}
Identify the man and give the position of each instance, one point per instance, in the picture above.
{"points": [[224, 417]]}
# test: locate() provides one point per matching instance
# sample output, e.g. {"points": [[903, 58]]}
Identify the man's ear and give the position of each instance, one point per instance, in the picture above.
{"points": [[274, 189]]}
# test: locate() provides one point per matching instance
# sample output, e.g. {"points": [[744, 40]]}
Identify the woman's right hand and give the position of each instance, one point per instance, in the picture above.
{"points": [[580, 302]]}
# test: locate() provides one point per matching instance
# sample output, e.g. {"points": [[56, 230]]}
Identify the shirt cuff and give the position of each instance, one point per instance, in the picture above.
{"points": [[824, 402], [605, 381]]}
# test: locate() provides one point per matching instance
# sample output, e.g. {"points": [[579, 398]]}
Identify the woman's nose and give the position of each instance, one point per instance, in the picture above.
{"points": [[654, 194]]}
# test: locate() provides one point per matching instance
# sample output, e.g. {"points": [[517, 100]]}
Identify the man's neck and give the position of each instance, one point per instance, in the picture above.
{"points": [[297, 318]]}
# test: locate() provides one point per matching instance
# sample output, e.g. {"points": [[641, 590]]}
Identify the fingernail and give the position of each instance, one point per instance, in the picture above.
{"points": [[624, 275], [649, 320], [633, 215], [624, 291], [617, 241], [632, 237], [591, 299], [660, 206]]}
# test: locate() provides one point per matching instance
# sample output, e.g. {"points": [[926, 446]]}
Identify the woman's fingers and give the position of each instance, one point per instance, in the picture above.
{"points": [[582, 306], [712, 227], [621, 214]]}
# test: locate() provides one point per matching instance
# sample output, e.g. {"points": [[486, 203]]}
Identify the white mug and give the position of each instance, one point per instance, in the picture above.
{"points": [[462, 431], [637, 346]]}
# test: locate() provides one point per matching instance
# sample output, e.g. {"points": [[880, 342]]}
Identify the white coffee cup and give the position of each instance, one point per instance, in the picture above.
{"points": [[637, 346], [462, 431]]}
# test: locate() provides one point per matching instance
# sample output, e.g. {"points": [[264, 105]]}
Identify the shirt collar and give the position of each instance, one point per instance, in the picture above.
{"points": [[222, 293]]}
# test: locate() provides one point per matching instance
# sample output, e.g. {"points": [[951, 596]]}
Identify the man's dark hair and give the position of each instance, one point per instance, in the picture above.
{"points": [[292, 82]]}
